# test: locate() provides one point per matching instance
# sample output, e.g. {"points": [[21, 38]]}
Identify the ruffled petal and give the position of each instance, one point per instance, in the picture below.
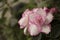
{"points": [[23, 22], [46, 29], [33, 30], [49, 18]]}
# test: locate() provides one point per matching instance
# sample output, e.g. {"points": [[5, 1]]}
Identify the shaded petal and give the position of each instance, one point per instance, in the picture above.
{"points": [[23, 22], [52, 10], [46, 29], [46, 9], [49, 18], [33, 30]]}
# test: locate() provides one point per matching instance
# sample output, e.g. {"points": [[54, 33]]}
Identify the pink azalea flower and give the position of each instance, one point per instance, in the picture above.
{"points": [[36, 21]]}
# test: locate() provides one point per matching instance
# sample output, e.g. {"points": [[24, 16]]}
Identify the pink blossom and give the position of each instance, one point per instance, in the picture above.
{"points": [[36, 21]]}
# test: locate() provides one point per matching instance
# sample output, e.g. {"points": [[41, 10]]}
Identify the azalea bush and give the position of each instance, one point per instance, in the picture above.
{"points": [[29, 19]]}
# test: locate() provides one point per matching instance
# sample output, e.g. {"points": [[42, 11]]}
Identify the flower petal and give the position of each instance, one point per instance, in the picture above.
{"points": [[49, 18], [46, 29], [23, 22], [25, 30], [42, 12], [52, 10], [35, 10], [46, 9], [26, 12], [33, 30], [36, 19]]}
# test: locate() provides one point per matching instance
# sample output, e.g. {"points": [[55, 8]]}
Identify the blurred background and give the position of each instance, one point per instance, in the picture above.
{"points": [[11, 11]]}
